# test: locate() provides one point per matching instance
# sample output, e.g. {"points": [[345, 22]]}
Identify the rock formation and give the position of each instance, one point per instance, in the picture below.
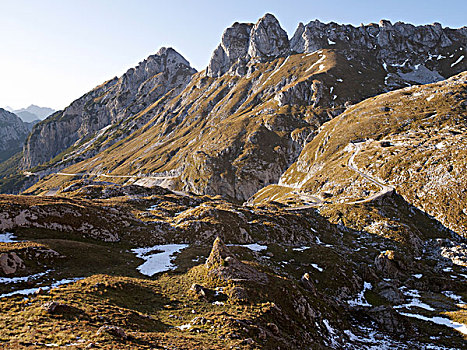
{"points": [[13, 132], [110, 103]]}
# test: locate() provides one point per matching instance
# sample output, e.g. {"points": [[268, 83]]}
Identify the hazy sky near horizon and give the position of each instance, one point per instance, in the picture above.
{"points": [[54, 51]]}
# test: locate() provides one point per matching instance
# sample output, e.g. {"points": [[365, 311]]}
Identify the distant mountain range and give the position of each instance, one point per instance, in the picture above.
{"points": [[31, 113]]}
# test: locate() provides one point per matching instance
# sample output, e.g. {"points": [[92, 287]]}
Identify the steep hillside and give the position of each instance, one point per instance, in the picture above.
{"points": [[13, 133], [237, 126], [164, 73], [412, 140]]}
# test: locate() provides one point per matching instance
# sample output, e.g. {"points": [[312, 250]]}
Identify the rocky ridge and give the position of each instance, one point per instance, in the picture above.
{"points": [[13, 132], [166, 72]]}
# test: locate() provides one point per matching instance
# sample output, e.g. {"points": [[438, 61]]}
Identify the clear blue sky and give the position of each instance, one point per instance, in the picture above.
{"points": [[53, 51]]}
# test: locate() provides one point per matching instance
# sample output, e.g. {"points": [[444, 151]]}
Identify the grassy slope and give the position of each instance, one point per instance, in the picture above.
{"points": [[426, 130]]}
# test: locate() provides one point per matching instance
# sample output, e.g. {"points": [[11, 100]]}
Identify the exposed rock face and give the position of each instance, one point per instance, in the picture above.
{"points": [[242, 41], [109, 103], [10, 263], [390, 264], [268, 39], [237, 128], [223, 264], [416, 49], [13, 132], [233, 48]]}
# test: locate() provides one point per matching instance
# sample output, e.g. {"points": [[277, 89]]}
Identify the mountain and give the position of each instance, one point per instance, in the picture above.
{"points": [[13, 133], [297, 193], [238, 125], [109, 105], [33, 113]]}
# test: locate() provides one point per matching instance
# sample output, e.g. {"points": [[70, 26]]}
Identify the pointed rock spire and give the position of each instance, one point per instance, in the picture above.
{"points": [[268, 39], [242, 41]]}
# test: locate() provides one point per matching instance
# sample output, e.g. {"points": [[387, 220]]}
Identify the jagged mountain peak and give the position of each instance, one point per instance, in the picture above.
{"points": [[111, 102], [268, 39], [242, 41]]}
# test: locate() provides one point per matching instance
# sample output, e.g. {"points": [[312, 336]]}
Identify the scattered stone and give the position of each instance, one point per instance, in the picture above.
{"points": [[112, 330]]}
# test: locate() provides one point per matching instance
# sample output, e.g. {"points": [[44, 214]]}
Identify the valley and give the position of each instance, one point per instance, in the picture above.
{"points": [[298, 193]]}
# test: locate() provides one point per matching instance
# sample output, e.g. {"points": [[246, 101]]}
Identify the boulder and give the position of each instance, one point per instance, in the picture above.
{"points": [[10, 263], [390, 264]]}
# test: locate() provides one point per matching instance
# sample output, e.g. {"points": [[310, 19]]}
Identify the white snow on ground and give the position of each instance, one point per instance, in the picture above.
{"points": [[184, 327], [439, 320], [7, 237], [418, 275], [360, 300], [255, 247], [33, 290], [332, 334], [330, 42], [429, 98], [8, 280], [370, 339], [301, 249], [339, 80], [160, 261], [458, 61], [320, 269], [322, 58], [453, 296]]}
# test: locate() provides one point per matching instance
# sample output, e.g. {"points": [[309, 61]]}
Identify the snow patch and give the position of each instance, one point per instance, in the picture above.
{"points": [[160, 261], [439, 320], [301, 249], [320, 269], [7, 237], [360, 300], [458, 61], [8, 280], [33, 290], [330, 42]]}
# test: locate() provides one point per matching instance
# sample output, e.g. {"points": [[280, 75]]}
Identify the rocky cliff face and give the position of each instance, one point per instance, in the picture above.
{"points": [[13, 132], [419, 54], [114, 101], [243, 41]]}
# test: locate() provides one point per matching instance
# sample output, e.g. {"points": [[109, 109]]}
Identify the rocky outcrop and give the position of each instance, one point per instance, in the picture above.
{"points": [[268, 39], [13, 132], [403, 46], [232, 49], [390, 264], [107, 104], [243, 41], [222, 264], [10, 263]]}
